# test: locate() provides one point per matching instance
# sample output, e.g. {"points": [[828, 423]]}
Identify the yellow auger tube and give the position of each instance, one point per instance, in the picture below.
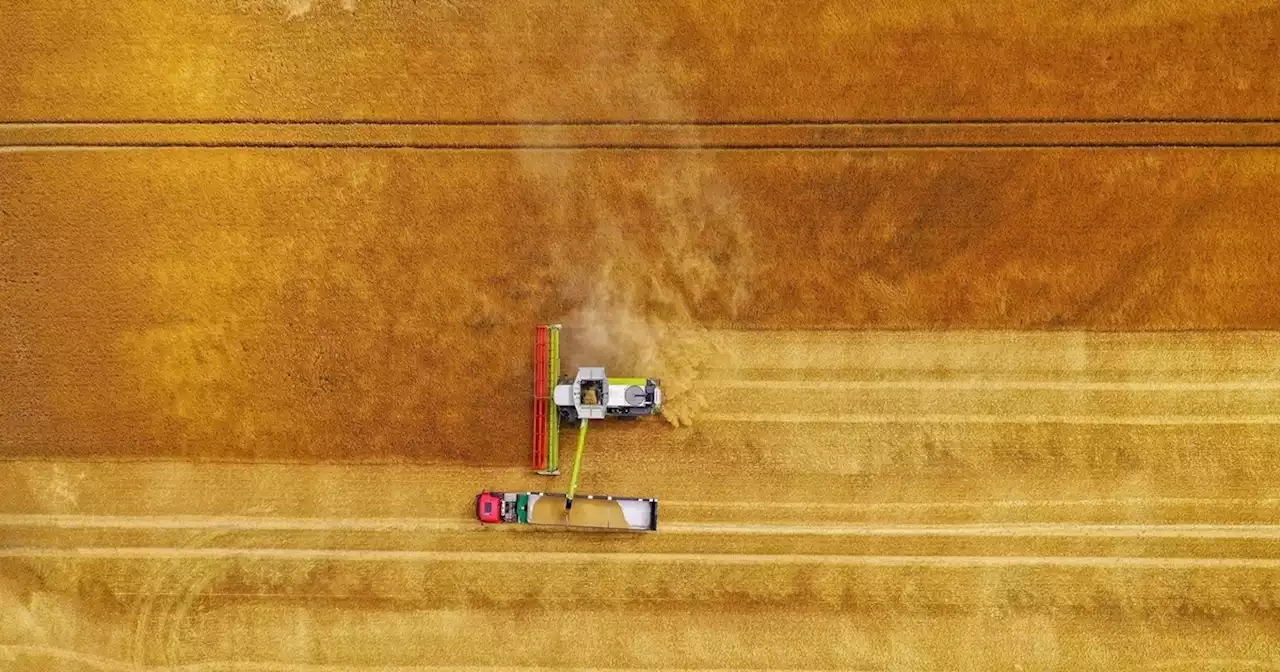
{"points": [[577, 464]]}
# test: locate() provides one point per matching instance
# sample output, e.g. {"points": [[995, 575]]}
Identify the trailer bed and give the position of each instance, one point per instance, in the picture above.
{"points": [[594, 511]]}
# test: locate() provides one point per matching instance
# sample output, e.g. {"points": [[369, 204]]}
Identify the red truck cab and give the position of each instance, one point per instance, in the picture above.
{"points": [[489, 508]]}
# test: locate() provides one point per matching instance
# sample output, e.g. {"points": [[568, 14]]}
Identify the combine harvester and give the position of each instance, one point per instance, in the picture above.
{"points": [[591, 395]]}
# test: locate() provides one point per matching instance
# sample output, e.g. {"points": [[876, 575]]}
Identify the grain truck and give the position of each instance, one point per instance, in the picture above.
{"points": [[591, 512]]}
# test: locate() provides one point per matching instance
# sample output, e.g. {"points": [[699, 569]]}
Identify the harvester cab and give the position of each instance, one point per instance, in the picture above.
{"points": [[592, 395], [585, 397]]}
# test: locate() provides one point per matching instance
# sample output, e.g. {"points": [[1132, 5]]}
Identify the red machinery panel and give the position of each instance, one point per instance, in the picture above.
{"points": [[541, 396]]}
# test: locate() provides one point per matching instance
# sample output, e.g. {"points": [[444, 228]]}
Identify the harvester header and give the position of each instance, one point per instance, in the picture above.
{"points": [[546, 421]]}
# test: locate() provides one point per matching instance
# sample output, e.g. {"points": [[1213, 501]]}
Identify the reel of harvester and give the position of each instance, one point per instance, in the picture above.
{"points": [[591, 395], [546, 421]]}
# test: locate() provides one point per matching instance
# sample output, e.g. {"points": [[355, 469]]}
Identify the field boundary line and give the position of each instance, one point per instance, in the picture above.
{"points": [[427, 135], [674, 123], [378, 146]]}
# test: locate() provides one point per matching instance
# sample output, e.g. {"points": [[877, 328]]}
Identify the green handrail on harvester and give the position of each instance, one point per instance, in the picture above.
{"points": [[577, 464]]}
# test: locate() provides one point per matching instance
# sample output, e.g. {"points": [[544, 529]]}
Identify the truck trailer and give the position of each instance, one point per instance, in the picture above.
{"points": [[591, 512]]}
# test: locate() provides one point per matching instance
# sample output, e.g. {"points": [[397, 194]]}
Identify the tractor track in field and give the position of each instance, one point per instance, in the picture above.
{"points": [[550, 557], [17, 652], [933, 385], [193, 522], [963, 419], [427, 540], [987, 378], [438, 525]]}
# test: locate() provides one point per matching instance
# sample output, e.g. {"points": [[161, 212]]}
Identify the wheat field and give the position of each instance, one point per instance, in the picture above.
{"points": [[965, 313]]}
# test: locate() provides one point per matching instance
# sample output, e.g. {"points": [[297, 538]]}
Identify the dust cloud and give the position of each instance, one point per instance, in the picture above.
{"points": [[666, 253], [678, 261], [299, 8]]}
